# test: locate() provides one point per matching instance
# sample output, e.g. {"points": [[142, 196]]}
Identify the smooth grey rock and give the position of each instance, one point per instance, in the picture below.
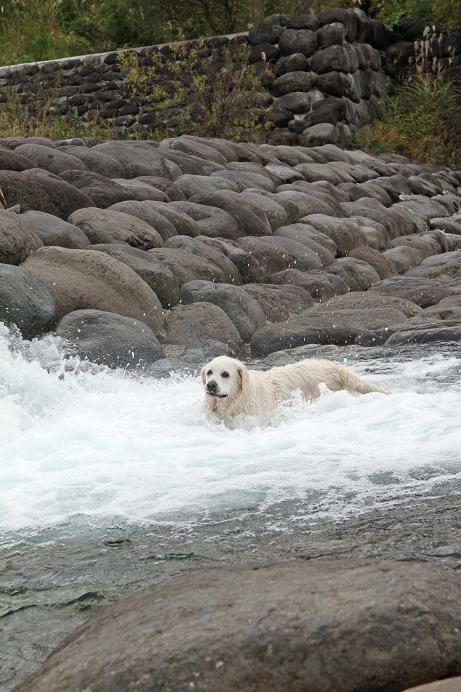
{"points": [[426, 336], [25, 301], [140, 191], [51, 160], [346, 234], [302, 233], [368, 300], [38, 192], [13, 160], [54, 231], [320, 285], [380, 262], [18, 238], [322, 325], [94, 160], [198, 246], [244, 311], [302, 41], [151, 270], [279, 303], [247, 220], [104, 192], [293, 81], [148, 214], [112, 340], [208, 220], [109, 226], [422, 291], [193, 324], [403, 257], [136, 158], [236, 615], [172, 191], [86, 279], [187, 266]]}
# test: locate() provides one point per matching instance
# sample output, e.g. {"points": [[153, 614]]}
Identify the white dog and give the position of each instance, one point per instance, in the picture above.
{"points": [[231, 389]]}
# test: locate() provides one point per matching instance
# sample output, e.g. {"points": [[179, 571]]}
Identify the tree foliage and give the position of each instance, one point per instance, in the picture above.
{"points": [[45, 29]]}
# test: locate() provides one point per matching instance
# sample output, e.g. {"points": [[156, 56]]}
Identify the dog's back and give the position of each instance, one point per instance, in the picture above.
{"points": [[308, 374]]}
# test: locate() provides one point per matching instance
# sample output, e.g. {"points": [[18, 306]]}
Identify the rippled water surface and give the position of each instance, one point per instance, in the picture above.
{"points": [[102, 444]]}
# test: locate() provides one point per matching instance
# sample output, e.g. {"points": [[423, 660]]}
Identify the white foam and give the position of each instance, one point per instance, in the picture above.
{"points": [[105, 444]]}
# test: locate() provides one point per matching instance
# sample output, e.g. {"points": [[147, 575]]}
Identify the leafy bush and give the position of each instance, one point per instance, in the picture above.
{"points": [[20, 120], [423, 122], [447, 13], [215, 94]]}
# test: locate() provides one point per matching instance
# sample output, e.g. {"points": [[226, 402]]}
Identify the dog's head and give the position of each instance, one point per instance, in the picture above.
{"points": [[224, 377]]}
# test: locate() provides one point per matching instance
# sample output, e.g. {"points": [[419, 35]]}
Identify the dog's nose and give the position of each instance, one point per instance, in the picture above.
{"points": [[211, 386]]}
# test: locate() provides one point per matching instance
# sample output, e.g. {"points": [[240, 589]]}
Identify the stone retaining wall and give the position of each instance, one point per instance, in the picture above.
{"points": [[323, 76]]}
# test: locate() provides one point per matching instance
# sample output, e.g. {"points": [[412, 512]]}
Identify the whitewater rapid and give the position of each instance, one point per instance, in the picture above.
{"points": [[101, 444]]}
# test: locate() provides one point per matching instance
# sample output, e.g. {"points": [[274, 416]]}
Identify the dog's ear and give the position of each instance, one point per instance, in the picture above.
{"points": [[242, 377], [202, 375]]}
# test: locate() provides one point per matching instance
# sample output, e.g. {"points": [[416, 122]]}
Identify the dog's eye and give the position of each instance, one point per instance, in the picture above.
{"points": [[224, 374], [210, 372]]}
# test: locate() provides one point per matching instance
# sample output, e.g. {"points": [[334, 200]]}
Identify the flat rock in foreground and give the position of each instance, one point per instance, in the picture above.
{"points": [[344, 625]]}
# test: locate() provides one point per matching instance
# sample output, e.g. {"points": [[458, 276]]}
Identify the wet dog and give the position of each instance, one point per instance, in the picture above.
{"points": [[231, 389]]}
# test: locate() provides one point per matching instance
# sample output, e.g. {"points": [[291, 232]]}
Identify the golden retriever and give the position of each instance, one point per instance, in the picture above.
{"points": [[231, 389]]}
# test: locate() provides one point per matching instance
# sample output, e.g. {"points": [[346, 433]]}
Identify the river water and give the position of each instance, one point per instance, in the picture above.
{"points": [[84, 445]]}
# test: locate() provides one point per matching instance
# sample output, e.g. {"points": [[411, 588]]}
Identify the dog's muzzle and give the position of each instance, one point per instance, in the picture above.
{"points": [[212, 390]]}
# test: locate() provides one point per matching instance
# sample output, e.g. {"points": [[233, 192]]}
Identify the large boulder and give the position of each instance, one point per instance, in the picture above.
{"points": [[86, 279], [193, 324], [51, 160], [148, 214], [279, 303], [320, 284], [182, 222], [107, 339], [110, 226], [18, 238], [249, 221], [244, 311], [323, 325], [40, 192], [186, 265], [382, 264], [427, 335], [12, 161], [302, 41], [357, 274], [356, 300], [172, 191], [94, 160], [345, 233], [140, 191], [25, 301], [155, 273], [447, 685], [293, 81], [422, 291], [198, 246], [104, 192], [55, 231], [305, 234], [136, 158], [318, 625], [208, 220]]}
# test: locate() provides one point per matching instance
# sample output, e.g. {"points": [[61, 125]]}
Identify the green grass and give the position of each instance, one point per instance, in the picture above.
{"points": [[423, 123]]}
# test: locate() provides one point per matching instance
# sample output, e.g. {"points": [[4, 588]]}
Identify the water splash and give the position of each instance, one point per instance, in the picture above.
{"points": [[81, 440]]}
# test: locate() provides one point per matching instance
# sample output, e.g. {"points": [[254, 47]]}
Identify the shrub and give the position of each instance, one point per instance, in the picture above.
{"points": [[423, 122], [192, 89], [20, 120]]}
